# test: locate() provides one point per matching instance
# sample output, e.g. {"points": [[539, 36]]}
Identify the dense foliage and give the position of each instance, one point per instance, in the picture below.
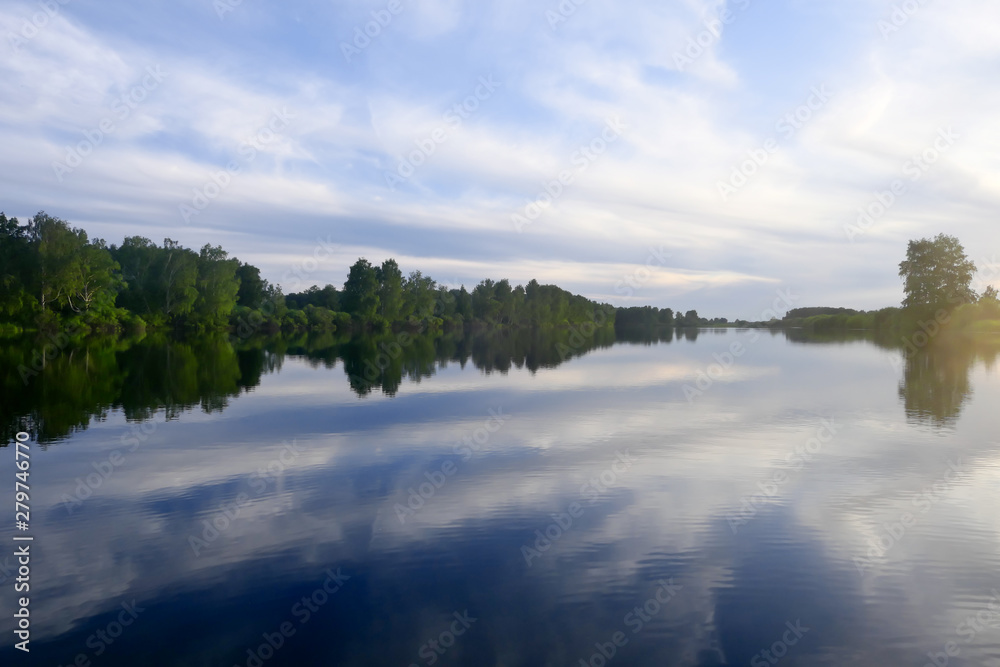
{"points": [[937, 276], [53, 276], [651, 316], [51, 392], [937, 273]]}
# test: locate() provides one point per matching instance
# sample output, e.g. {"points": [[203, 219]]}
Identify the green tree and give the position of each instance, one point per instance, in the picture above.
{"points": [[503, 295], [463, 302], [58, 248], [418, 296], [217, 287], [936, 273], [329, 297], [360, 295], [179, 272], [484, 305], [252, 287], [160, 284], [274, 306], [390, 290], [95, 276], [17, 270], [137, 257]]}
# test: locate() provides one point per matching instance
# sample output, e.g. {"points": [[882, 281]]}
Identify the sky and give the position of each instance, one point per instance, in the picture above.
{"points": [[687, 154]]}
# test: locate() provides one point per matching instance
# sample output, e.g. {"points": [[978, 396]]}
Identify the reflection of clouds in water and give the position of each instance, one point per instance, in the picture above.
{"points": [[333, 508], [782, 573]]}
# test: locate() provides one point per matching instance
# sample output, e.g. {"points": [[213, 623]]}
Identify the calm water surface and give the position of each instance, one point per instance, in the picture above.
{"points": [[510, 501]]}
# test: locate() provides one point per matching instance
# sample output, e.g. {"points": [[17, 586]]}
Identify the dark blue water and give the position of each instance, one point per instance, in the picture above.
{"points": [[801, 502]]}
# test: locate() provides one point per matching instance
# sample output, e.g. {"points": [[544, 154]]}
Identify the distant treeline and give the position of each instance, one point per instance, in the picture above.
{"points": [[982, 315], [651, 316], [937, 283], [53, 276]]}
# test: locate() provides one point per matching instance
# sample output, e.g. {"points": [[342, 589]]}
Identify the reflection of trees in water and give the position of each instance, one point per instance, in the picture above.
{"points": [[936, 384], [384, 362], [806, 337], [645, 335], [140, 377], [936, 378]]}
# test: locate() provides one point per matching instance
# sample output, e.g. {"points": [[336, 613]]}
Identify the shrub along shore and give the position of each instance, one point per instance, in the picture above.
{"points": [[54, 277]]}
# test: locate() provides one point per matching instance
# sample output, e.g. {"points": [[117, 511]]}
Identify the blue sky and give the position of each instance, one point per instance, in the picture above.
{"points": [[645, 109]]}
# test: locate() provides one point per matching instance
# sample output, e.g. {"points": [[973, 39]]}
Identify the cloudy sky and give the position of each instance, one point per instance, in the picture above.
{"points": [[726, 146]]}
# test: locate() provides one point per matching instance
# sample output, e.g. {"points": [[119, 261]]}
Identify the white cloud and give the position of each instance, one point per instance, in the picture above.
{"points": [[686, 131]]}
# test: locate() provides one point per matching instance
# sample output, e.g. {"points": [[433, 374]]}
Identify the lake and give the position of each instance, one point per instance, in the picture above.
{"points": [[714, 497]]}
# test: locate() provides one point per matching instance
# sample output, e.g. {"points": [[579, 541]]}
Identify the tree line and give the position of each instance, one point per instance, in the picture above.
{"points": [[648, 317], [937, 279], [55, 276]]}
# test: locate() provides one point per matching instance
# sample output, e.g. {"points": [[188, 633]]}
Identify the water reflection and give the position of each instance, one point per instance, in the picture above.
{"points": [[333, 502], [936, 380], [51, 398]]}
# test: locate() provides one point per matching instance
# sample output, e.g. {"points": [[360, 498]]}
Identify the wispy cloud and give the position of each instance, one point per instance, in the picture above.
{"points": [[688, 124]]}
